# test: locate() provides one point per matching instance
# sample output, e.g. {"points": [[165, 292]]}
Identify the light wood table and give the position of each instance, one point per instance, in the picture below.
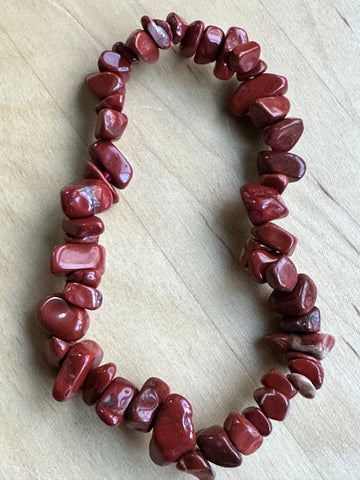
{"points": [[177, 304]]}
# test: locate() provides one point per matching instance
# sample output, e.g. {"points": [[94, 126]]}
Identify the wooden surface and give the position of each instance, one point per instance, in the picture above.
{"points": [[176, 302]]}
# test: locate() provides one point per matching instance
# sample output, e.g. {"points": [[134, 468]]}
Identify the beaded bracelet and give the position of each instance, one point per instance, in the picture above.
{"points": [[266, 257]]}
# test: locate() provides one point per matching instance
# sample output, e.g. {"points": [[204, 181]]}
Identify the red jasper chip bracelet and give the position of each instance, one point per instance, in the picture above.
{"points": [[266, 257]]}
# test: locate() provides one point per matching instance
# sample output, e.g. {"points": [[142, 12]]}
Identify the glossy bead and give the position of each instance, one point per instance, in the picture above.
{"points": [[242, 433], [114, 401], [275, 379], [114, 102], [84, 198], [83, 227], [68, 257], [235, 36], [143, 46], [310, 368], [82, 295], [303, 384], [110, 124], [114, 62], [297, 302], [191, 40], [259, 69], [157, 31], [55, 350], [283, 135], [178, 27], [195, 464], [309, 323], [81, 358], [97, 381], [274, 404], [250, 246], [316, 344], [287, 163], [218, 448], [143, 409], [258, 263], [173, 433], [104, 84], [93, 172], [61, 319], [277, 181], [209, 46], [265, 85], [259, 420], [282, 274], [262, 203], [275, 238], [94, 239], [244, 58], [121, 49], [87, 277], [113, 162], [268, 110]]}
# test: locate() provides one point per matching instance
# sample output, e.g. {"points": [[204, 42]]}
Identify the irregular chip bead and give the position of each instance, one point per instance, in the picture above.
{"points": [[275, 238], [178, 27], [173, 433], [258, 263], [284, 135], [258, 418], [114, 401], [82, 295], [287, 163], [258, 70], [104, 84], [83, 227], [84, 198], [282, 274], [250, 246], [316, 344], [114, 102], [87, 277], [209, 46], [217, 447], [235, 36], [195, 464], [310, 368], [299, 301], [277, 181], [110, 61], [89, 239], [121, 49], [80, 359], [268, 110], [244, 58], [158, 30], [97, 381], [309, 323], [242, 433], [143, 46], [262, 203], [274, 404], [110, 124], [275, 379], [303, 384], [54, 351], [191, 40], [93, 172], [68, 257], [113, 162]]}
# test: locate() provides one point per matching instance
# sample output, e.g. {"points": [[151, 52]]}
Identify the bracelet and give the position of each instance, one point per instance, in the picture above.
{"points": [[266, 257]]}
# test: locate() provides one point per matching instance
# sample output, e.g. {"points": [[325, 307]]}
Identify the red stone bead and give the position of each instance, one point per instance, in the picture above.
{"points": [[242, 433], [68, 257], [83, 227], [297, 302], [287, 163], [258, 263], [217, 447], [282, 274], [235, 36], [93, 172], [209, 46], [97, 381], [157, 32], [84, 198], [292, 354], [250, 246], [113, 62], [143, 46], [303, 384], [315, 344], [61, 319], [244, 58], [104, 84], [178, 27], [195, 464], [55, 350], [259, 69], [191, 40], [275, 238], [114, 102], [265, 85], [262, 203], [82, 295], [121, 49], [94, 239], [309, 323], [268, 110], [283, 135], [274, 404], [113, 162], [87, 277], [114, 401], [259, 420], [110, 124], [277, 181], [311, 369], [173, 433], [275, 379], [81, 358], [143, 409]]}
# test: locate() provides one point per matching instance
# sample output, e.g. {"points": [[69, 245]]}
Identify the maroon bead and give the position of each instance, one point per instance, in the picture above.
{"points": [[275, 379], [55, 350], [209, 46], [268, 110], [191, 40], [315, 344], [274, 404], [114, 102], [110, 124], [94, 239], [82, 295], [173, 433], [309, 323], [61, 319], [277, 181], [143, 409], [283, 135], [262, 203], [282, 274], [244, 58], [97, 381], [235, 36], [259, 420], [143, 46], [84, 198], [114, 401], [303, 384], [275, 238], [83, 227], [104, 84], [258, 263], [114, 62], [121, 49], [81, 358], [195, 464], [250, 246], [258, 70], [93, 172], [310, 368], [113, 162], [68, 257], [217, 447], [178, 27], [242, 433], [87, 277], [297, 302], [157, 32], [287, 163]]}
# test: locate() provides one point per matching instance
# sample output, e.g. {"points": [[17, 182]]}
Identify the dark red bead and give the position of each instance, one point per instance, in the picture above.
{"points": [[244, 58], [121, 49], [191, 40], [110, 124], [83, 227], [277, 181], [104, 84], [283, 135], [316, 344], [242, 433], [93, 172], [87, 277], [258, 263], [114, 401], [114, 102], [178, 27], [259, 420], [94, 239], [299, 301], [68, 257], [274, 404], [235, 36], [113, 163], [275, 238], [262, 203], [250, 246], [143, 46], [275, 379], [84, 198], [308, 323], [258, 70], [110, 61], [157, 31], [282, 274], [55, 350], [287, 163], [97, 381], [195, 464], [310, 368], [218, 448], [82, 295], [209, 46], [268, 110]]}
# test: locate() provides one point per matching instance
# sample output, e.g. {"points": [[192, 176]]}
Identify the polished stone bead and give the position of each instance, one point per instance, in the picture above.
{"points": [[68, 257], [61, 319], [143, 46], [114, 102], [268, 110], [173, 433], [94, 239], [258, 263], [250, 246], [297, 302], [218, 448], [316, 344], [262, 203], [191, 40], [93, 172], [265, 85], [259, 69], [54, 351], [83, 227], [113, 163], [292, 354], [178, 27], [114, 401], [283, 135], [110, 61], [209, 46], [84, 198], [309, 323], [287, 163], [242, 433], [143, 409], [303, 384], [310, 368], [277, 181], [275, 238], [158, 31], [195, 464], [282, 274], [244, 58], [80, 359], [110, 124], [87, 277], [104, 84], [274, 404], [97, 381], [121, 49], [235, 36], [258, 418], [275, 379], [82, 295]]}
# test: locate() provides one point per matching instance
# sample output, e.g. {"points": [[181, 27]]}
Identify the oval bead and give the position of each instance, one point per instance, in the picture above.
{"points": [[309, 323], [110, 124], [242, 433], [97, 381], [143, 46], [209, 46], [268, 110], [82, 295], [299, 301], [84, 198], [195, 464], [113, 162], [158, 30], [275, 379], [282, 274], [217, 447], [275, 238], [303, 384], [104, 84], [284, 135], [178, 27], [259, 420], [262, 203], [93, 172], [114, 401], [191, 40], [235, 36], [286, 163], [68, 257], [87, 277], [315, 344], [54, 351], [244, 58], [274, 404], [310, 368], [277, 181], [83, 227], [110, 61]]}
